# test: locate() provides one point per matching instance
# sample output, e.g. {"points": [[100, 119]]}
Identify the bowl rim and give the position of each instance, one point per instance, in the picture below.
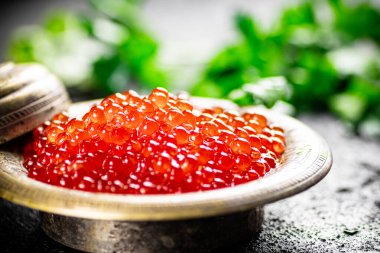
{"points": [[306, 161]]}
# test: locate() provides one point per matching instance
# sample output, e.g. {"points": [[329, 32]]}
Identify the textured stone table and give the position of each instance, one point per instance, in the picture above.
{"points": [[340, 214]]}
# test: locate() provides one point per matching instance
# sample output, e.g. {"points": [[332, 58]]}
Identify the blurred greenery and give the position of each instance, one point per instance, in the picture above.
{"points": [[103, 50], [328, 51], [317, 56]]}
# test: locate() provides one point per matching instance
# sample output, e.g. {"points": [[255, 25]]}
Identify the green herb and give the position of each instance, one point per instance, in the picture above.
{"points": [[106, 50], [330, 59]]}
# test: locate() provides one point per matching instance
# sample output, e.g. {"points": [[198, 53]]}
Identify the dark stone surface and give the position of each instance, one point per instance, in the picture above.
{"points": [[340, 214]]}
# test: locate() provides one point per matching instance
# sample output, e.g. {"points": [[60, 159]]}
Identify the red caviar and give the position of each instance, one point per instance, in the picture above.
{"points": [[155, 144]]}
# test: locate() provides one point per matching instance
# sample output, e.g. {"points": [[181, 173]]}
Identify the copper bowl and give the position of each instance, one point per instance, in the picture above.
{"points": [[189, 222]]}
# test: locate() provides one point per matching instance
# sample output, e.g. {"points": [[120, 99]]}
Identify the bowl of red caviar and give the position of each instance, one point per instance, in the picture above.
{"points": [[160, 172]]}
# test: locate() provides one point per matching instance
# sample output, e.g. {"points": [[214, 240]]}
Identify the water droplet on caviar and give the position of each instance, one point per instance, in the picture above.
{"points": [[196, 137], [159, 96], [243, 162], [148, 126], [240, 146], [205, 117], [266, 141], [249, 130], [60, 117], [278, 146], [262, 120], [270, 161], [255, 125], [120, 135], [224, 161], [255, 141], [97, 115], [171, 148], [237, 122], [61, 138], [254, 174], [210, 129], [267, 132], [247, 116], [260, 167], [135, 119], [227, 136], [238, 179], [241, 132], [219, 146], [111, 110], [204, 154], [146, 106], [119, 98], [189, 164], [174, 117], [221, 124], [53, 132], [181, 135], [74, 125], [255, 153], [184, 105], [162, 164], [131, 97], [189, 118]]}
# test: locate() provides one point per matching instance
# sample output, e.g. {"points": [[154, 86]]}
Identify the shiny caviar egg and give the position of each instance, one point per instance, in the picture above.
{"points": [[155, 144]]}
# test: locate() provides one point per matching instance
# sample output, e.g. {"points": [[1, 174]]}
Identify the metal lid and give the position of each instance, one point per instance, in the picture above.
{"points": [[29, 95]]}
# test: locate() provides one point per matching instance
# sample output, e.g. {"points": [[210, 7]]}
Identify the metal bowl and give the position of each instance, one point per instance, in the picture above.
{"points": [[196, 222]]}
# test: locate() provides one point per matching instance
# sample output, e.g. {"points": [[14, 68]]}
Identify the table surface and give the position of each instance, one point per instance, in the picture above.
{"points": [[341, 213]]}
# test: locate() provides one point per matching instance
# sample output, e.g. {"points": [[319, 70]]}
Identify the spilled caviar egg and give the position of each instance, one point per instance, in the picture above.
{"points": [[155, 144]]}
